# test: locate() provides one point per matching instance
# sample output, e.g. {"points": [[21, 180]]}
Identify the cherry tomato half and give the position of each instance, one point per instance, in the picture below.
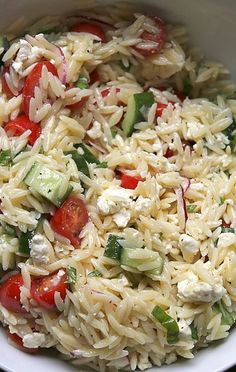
{"points": [[90, 28], [5, 87], [78, 105], [105, 92], [159, 38], [20, 125], [32, 81], [17, 340], [70, 219], [43, 289], [130, 182], [94, 77], [10, 294]]}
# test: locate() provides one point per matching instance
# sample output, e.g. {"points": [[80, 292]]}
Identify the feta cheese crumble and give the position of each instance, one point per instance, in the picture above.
{"points": [[194, 290], [189, 247], [40, 249], [33, 340]]}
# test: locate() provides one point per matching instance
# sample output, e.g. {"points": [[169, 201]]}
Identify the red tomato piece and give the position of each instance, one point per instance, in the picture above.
{"points": [[70, 219], [225, 224], [94, 77], [10, 294], [32, 81], [106, 92], [43, 289], [20, 125], [5, 86], [130, 182], [90, 28], [17, 340], [78, 105], [169, 153], [158, 38], [180, 95]]}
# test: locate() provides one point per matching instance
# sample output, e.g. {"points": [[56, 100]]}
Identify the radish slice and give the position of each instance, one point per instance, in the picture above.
{"points": [[181, 208], [62, 72]]}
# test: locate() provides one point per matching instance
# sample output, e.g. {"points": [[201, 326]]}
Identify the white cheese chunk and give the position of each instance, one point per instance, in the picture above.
{"points": [[40, 249], [194, 290], [33, 340], [184, 329], [226, 240], [122, 218], [188, 246], [143, 205], [95, 132], [113, 200]]}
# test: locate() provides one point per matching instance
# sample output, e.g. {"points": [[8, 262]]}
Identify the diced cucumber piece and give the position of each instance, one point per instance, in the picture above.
{"points": [[25, 241], [9, 230], [227, 318], [94, 274], [137, 104], [82, 82], [227, 230], [79, 161], [194, 333], [127, 259], [230, 132], [113, 248], [168, 323], [52, 185], [89, 156], [4, 43], [5, 157]]}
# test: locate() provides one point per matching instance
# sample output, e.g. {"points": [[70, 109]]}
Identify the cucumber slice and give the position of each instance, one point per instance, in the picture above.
{"points": [[127, 259], [25, 241], [5, 157], [4, 43], [137, 104], [52, 185]]}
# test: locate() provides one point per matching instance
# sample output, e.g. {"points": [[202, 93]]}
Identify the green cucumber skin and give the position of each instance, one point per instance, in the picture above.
{"points": [[133, 114], [134, 263]]}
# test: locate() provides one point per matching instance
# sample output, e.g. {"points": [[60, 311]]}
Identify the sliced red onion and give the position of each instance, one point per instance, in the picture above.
{"points": [[181, 207], [63, 73], [185, 185]]}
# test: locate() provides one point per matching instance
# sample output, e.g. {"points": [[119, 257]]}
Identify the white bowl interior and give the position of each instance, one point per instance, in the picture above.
{"points": [[211, 25]]}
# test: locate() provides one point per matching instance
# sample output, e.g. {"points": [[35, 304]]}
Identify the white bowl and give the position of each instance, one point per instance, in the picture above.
{"points": [[211, 25]]}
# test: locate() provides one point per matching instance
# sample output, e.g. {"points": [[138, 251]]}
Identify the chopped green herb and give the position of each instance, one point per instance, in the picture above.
{"points": [[222, 200], [226, 172], [161, 236], [113, 247], [9, 230], [102, 165], [125, 67], [72, 275], [113, 132], [25, 242], [94, 273], [227, 230], [227, 318], [191, 208], [4, 43], [194, 332], [82, 82], [187, 87], [5, 157], [79, 161], [230, 132], [168, 323]]}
